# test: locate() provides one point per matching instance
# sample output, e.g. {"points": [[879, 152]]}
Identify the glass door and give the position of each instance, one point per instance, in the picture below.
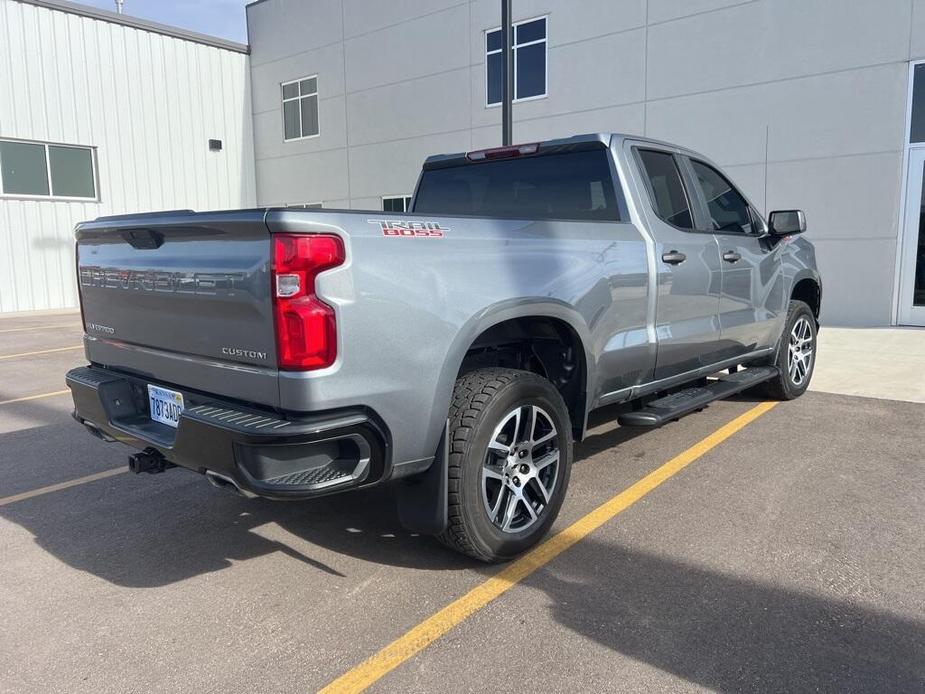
{"points": [[912, 278]]}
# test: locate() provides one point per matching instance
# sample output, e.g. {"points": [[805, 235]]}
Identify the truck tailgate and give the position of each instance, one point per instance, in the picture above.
{"points": [[182, 298]]}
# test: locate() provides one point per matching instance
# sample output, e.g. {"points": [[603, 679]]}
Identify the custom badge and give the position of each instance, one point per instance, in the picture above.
{"points": [[397, 228]]}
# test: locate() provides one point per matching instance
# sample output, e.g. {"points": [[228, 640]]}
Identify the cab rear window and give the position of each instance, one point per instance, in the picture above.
{"points": [[571, 185]]}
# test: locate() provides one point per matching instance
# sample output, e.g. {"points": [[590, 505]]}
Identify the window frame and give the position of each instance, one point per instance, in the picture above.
{"points": [[94, 169], [405, 198], [897, 309], [299, 98], [757, 222], [514, 47]]}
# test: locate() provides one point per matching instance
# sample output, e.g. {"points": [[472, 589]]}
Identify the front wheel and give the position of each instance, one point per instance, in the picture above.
{"points": [[796, 354], [510, 455]]}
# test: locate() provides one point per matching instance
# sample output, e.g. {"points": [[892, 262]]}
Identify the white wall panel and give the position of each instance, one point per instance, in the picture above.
{"points": [[146, 101], [773, 40], [441, 36]]}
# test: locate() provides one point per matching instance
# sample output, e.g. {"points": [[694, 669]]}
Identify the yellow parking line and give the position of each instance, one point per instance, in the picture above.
{"points": [[432, 628], [61, 485], [41, 351], [40, 327], [35, 397]]}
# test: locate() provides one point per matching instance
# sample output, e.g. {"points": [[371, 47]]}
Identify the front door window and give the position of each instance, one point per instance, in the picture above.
{"points": [[728, 209]]}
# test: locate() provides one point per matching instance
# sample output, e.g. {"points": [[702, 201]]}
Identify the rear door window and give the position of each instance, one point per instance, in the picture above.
{"points": [[666, 189], [727, 207], [572, 185]]}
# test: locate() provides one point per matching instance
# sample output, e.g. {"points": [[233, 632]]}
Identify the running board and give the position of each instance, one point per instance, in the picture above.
{"points": [[676, 405]]}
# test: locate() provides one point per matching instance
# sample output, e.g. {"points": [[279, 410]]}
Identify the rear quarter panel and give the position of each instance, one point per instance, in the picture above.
{"points": [[409, 307]]}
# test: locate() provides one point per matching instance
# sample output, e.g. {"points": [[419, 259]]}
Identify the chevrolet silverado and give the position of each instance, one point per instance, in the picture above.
{"points": [[456, 349]]}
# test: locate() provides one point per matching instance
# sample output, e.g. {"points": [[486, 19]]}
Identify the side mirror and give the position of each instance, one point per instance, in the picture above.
{"points": [[786, 222]]}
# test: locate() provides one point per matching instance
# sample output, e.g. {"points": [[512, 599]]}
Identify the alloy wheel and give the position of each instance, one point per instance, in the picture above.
{"points": [[800, 357], [521, 468]]}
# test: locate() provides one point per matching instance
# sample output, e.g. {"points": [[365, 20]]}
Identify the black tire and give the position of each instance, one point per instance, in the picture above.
{"points": [[782, 386], [482, 400]]}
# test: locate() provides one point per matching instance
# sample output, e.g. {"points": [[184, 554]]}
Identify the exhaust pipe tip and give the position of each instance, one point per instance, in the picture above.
{"points": [[223, 482], [95, 430]]}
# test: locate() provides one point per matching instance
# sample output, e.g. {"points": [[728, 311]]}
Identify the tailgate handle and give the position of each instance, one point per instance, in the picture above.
{"points": [[143, 239]]}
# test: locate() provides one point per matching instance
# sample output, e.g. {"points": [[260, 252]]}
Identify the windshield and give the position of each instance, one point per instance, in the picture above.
{"points": [[574, 185]]}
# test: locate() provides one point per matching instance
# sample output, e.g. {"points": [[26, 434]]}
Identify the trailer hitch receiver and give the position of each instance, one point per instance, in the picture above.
{"points": [[150, 461]]}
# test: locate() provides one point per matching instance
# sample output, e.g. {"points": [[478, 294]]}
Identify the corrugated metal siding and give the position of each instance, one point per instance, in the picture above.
{"points": [[149, 103]]}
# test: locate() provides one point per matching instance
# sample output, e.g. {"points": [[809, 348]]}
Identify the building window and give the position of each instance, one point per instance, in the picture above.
{"points": [[300, 108], [917, 126], [529, 46], [40, 169], [396, 203]]}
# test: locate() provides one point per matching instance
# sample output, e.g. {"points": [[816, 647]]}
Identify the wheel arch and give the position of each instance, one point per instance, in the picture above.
{"points": [[505, 320], [807, 288]]}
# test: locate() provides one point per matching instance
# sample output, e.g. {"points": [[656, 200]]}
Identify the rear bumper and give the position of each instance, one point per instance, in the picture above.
{"points": [[261, 452]]}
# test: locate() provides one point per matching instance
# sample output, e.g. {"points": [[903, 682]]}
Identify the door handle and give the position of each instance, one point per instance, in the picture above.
{"points": [[731, 257], [673, 257]]}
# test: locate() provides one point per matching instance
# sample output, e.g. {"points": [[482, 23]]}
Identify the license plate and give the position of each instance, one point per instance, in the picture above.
{"points": [[166, 405]]}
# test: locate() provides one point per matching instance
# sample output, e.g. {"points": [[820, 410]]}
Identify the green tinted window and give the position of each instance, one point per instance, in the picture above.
{"points": [[23, 165], [26, 168], [71, 172]]}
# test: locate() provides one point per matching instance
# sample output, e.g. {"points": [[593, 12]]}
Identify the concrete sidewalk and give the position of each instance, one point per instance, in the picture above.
{"points": [[871, 362]]}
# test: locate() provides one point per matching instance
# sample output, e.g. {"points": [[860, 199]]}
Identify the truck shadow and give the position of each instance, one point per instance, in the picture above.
{"points": [[726, 632], [145, 533], [149, 531]]}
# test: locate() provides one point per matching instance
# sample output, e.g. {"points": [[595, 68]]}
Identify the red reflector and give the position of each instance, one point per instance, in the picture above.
{"points": [[306, 328], [503, 152]]}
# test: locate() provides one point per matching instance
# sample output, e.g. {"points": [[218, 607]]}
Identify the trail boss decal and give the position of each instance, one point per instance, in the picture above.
{"points": [[391, 227]]}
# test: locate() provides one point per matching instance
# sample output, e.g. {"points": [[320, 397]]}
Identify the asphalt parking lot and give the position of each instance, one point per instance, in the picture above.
{"points": [[788, 556]]}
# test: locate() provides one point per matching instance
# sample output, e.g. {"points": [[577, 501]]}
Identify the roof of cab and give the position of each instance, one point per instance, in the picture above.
{"points": [[559, 145]]}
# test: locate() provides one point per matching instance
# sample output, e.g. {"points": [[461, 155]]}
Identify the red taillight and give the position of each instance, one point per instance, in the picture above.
{"points": [[306, 332]]}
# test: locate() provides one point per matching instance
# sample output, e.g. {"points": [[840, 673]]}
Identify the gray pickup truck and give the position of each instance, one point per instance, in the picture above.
{"points": [[455, 350]]}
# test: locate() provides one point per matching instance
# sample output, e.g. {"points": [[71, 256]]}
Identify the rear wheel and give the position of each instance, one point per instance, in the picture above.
{"points": [[796, 355], [509, 463]]}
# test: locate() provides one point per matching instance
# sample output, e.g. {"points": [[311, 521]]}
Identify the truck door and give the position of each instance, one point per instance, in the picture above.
{"points": [[689, 276], [752, 297]]}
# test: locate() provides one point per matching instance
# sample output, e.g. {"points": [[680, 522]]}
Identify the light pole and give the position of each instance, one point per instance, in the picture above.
{"points": [[507, 78]]}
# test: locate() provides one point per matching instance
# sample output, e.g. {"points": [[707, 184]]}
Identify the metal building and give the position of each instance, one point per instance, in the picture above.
{"points": [[806, 103], [101, 114]]}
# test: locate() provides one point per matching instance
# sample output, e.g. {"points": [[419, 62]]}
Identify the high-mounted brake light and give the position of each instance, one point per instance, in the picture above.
{"points": [[306, 331], [503, 152]]}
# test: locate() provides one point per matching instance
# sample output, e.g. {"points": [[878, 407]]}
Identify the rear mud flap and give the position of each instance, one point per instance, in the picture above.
{"points": [[422, 499]]}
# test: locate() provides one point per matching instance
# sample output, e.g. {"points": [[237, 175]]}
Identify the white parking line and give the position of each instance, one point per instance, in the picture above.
{"points": [[35, 397], [61, 485], [41, 327], [41, 351]]}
